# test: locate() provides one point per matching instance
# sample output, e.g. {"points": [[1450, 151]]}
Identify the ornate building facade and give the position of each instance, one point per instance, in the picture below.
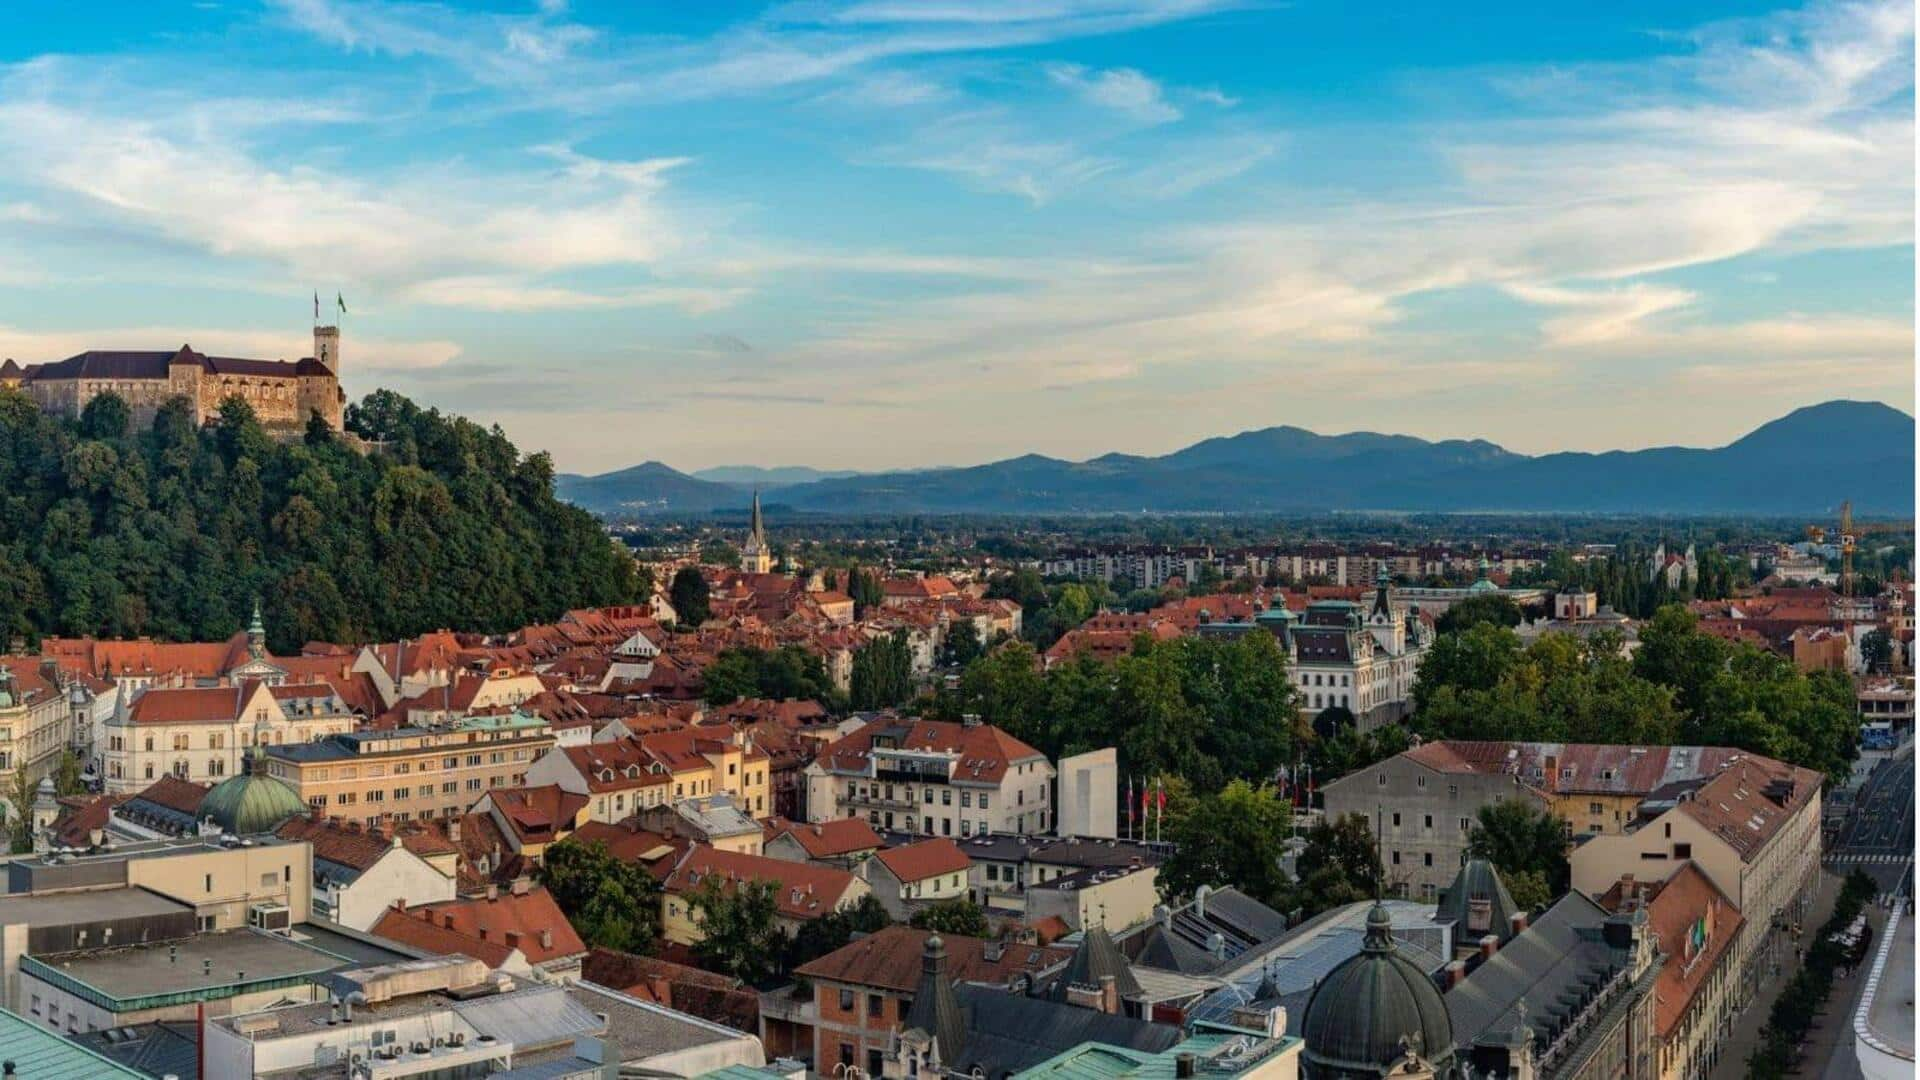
{"points": [[283, 393]]}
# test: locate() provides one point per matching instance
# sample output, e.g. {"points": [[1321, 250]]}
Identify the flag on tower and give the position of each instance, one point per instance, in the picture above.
{"points": [[340, 303], [1129, 804], [316, 305]]}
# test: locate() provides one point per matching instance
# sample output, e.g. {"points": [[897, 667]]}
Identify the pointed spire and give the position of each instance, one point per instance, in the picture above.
{"points": [[1379, 929], [257, 633], [935, 1009]]}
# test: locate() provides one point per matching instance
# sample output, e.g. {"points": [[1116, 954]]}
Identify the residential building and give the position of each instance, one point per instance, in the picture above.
{"points": [[935, 778], [1571, 995], [802, 892], [359, 873], [519, 930], [1696, 927], [627, 775], [722, 999], [410, 773], [37, 717], [1424, 801], [1753, 828], [712, 820], [917, 875], [857, 996], [844, 842], [533, 819]]}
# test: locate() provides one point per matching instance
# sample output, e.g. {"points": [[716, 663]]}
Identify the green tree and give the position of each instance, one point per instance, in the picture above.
{"points": [[959, 916], [1497, 609], [20, 793], [105, 417], [1232, 838], [963, 642], [1340, 864], [1518, 837], [66, 775], [739, 935], [882, 673], [818, 937], [610, 903], [1876, 650], [688, 595]]}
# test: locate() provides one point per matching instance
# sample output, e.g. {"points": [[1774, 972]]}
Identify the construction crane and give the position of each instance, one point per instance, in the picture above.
{"points": [[1849, 535]]}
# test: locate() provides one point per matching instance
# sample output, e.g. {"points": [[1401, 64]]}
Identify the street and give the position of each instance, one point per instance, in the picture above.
{"points": [[1877, 836]]}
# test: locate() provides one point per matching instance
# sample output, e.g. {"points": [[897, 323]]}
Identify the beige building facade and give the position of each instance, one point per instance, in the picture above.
{"points": [[409, 774]]}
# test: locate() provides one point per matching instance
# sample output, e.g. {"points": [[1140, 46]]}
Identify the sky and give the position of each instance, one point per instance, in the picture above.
{"points": [[880, 233]]}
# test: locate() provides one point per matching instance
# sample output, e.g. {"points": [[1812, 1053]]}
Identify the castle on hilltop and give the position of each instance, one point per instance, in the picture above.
{"points": [[283, 393]]}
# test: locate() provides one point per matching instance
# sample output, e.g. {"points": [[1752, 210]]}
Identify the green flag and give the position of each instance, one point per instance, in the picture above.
{"points": [[340, 303]]}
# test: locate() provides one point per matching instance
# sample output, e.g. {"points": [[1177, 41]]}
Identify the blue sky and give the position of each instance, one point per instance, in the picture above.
{"points": [[865, 233]]}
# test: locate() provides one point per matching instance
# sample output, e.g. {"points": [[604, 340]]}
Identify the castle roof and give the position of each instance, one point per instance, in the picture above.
{"points": [[124, 364]]}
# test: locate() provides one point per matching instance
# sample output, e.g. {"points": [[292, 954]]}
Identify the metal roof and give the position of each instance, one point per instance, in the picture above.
{"points": [[42, 1055]]}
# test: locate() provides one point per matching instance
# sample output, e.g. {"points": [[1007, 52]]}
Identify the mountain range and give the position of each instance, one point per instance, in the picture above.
{"points": [[1803, 463]]}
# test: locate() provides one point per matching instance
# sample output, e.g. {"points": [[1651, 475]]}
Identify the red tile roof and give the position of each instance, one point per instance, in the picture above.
{"points": [[1751, 799], [538, 814], [1678, 905], [628, 842], [826, 839], [925, 859], [175, 794], [890, 959], [805, 891], [336, 843], [188, 705], [690, 990], [984, 752], [490, 925]]}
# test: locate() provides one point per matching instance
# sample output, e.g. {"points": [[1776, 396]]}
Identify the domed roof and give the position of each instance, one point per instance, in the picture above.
{"points": [[1373, 1009], [251, 803]]}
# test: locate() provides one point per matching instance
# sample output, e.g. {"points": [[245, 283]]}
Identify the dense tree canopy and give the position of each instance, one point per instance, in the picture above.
{"points": [[1682, 687], [174, 531], [1340, 865], [956, 916], [788, 672], [1205, 708], [1232, 838], [740, 934], [612, 904], [882, 672], [1527, 844]]}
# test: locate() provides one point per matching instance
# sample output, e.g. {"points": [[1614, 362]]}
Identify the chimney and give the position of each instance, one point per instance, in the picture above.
{"points": [[546, 938], [1553, 774], [1456, 971], [493, 891], [522, 885], [453, 829], [1519, 922], [1489, 945], [1185, 1066], [1109, 996]]}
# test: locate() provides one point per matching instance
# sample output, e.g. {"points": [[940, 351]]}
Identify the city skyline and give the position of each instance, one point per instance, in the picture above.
{"points": [[877, 234]]}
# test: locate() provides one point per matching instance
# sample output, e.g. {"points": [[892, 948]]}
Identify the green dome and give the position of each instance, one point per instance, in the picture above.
{"points": [[1371, 1010], [251, 803]]}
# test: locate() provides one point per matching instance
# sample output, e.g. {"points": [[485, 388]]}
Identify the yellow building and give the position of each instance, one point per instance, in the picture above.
{"points": [[625, 776], [803, 892], [411, 773]]}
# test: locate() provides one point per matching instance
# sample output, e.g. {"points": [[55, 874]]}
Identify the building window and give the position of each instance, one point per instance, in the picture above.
{"points": [[874, 1006], [1427, 822], [1396, 819], [846, 1001]]}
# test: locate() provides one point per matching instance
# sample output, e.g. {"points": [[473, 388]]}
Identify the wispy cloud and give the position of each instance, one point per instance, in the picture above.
{"points": [[1124, 90]]}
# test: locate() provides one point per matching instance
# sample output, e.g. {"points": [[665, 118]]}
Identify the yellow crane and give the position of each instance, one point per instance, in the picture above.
{"points": [[1849, 535]]}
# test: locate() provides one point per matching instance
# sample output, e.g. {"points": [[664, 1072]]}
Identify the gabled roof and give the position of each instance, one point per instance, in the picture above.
{"points": [[1696, 924], [930, 858], [1750, 800], [826, 839], [538, 814], [983, 752], [890, 959], [188, 705], [717, 998], [495, 925], [805, 891], [351, 851]]}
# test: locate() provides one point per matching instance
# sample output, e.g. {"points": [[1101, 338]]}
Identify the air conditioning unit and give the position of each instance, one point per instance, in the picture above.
{"points": [[275, 917]]}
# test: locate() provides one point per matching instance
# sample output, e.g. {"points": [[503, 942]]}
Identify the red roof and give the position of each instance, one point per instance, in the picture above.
{"points": [[489, 925], [538, 814], [984, 752], [890, 959], [926, 859], [188, 705], [805, 891], [628, 842], [336, 843], [826, 839], [1678, 905]]}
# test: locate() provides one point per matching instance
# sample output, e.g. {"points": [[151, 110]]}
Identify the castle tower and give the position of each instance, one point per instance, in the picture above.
{"points": [[755, 556], [326, 347]]}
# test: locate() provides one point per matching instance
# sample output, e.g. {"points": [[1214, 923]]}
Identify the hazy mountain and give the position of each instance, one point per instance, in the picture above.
{"points": [[752, 476], [647, 488], [1805, 462]]}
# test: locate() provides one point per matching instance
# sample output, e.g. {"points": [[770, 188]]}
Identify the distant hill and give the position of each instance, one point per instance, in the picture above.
{"points": [[645, 489], [1805, 462], [752, 476]]}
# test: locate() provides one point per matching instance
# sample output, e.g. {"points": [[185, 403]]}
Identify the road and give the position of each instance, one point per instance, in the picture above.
{"points": [[1878, 833]]}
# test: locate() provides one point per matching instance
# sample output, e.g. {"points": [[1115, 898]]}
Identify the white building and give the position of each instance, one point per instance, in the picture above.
{"points": [[934, 778]]}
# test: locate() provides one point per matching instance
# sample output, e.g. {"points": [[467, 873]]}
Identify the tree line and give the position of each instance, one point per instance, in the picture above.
{"points": [[175, 530]]}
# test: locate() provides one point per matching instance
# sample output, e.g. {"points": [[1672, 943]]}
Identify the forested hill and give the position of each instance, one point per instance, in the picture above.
{"points": [[174, 531]]}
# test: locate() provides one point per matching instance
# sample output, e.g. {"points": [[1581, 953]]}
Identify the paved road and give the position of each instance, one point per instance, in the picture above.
{"points": [[1878, 833]]}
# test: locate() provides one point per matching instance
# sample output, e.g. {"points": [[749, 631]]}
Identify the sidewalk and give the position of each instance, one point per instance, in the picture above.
{"points": [[1838, 1015]]}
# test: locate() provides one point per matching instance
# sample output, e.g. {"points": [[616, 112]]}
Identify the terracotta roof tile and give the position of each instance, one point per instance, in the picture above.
{"points": [[806, 891], [925, 859], [493, 925], [890, 959]]}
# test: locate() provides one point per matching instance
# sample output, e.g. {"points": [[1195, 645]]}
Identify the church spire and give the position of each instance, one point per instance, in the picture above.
{"points": [[257, 634], [755, 556]]}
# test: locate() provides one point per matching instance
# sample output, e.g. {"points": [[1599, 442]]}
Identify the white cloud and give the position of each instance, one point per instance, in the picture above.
{"points": [[1123, 90], [1599, 315]]}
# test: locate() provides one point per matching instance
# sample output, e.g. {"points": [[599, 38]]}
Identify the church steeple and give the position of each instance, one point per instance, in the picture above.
{"points": [[755, 556], [257, 634]]}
